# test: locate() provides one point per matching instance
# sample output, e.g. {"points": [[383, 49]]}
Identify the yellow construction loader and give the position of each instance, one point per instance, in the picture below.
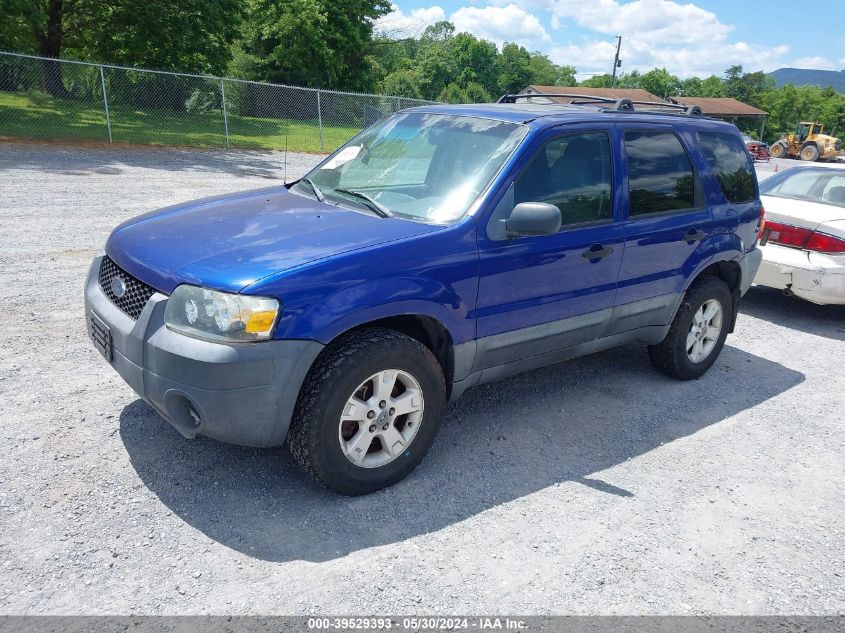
{"points": [[807, 142]]}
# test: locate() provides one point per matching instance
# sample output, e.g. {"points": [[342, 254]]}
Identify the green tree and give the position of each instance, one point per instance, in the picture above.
{"points": [[324, 43], [403, 83], [189, 36], [713, 86], [435, 62], [692, 87], [474, 60], [661, 83], [514, 68], [630, 80], [598, 81], [16, 32], [544, 72], [745, 87]]}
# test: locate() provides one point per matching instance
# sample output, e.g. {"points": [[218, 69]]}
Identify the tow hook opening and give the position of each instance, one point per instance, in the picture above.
{"points": [[183, 413]]}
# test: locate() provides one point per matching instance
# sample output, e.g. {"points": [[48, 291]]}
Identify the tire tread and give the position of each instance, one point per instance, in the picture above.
{"points": [[302, 438]]}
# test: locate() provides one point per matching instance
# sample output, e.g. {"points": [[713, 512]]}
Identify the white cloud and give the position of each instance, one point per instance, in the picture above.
{"points": [[657, 19], [398, 24], [814, 63], [501, 24], [684, 38]]}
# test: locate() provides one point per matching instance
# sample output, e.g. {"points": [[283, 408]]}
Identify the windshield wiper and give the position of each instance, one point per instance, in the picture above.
{"points": [[379, 209], [315, 188]]}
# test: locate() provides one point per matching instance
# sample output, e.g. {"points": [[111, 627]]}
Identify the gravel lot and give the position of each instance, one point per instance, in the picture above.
{"points": [[593, 487]]}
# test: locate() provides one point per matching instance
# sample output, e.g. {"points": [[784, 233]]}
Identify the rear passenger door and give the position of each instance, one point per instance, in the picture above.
{"points": [[733, 194], [668, 225]]}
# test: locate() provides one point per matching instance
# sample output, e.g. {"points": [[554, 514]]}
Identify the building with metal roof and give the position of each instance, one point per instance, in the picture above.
{"points": [[725, 108]]}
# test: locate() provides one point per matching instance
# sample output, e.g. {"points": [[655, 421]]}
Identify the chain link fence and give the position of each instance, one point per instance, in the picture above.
{"points": [[42, 98]]}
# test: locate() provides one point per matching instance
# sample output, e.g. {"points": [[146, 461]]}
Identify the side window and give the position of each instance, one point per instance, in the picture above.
{"points": [[574, 173], [660, 175], [729, 160]]}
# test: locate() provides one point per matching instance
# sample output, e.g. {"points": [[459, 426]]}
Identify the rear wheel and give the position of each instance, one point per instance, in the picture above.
{"points": [[698, 332], [810, 152], [368, 412], [778, 150]]}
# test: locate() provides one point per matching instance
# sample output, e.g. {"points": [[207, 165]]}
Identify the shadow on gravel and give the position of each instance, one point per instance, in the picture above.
{"points": [[85, 161], [500, 442], [773, 306]]}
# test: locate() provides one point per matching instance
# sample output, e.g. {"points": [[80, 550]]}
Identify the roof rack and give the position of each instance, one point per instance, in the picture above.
{"points": [[620, 105]]}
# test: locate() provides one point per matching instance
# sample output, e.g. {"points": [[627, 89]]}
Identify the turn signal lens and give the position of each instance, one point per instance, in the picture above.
{"points": [[260, 322]]}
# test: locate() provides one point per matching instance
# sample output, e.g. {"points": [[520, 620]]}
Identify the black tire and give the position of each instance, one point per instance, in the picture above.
{"points": [[810, 152], [336, 374], [670, 355], [778, 150]]}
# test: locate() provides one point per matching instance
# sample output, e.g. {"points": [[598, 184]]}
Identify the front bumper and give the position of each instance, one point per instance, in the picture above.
{"points": [[815, 277], [240, 393]]}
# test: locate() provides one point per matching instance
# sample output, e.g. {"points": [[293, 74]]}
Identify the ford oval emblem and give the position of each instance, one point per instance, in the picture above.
{"points": [[118, 287]]}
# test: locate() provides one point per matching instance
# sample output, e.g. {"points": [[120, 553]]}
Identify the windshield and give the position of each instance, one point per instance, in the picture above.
{"points": [[426, 167], [826, 186]]}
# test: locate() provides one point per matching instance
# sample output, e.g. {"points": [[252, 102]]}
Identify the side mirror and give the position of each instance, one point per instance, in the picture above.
{"points": [[533, 218]]}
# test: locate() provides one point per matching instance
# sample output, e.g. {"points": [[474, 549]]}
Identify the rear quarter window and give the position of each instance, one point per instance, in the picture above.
{"points": [[730, 162]]}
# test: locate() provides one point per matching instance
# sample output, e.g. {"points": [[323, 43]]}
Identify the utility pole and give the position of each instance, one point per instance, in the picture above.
{"points": [[616, 62]]}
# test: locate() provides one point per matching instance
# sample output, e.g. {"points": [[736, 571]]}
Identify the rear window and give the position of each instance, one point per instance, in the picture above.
{"points": [[660, 175], [731, 164], [825, 186]]}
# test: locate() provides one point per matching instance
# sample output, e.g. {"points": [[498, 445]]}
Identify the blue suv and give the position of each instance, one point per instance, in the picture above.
{"points": [[442, 248]]}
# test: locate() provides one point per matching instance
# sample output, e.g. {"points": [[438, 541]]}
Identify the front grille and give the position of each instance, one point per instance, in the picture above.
{"points": [[136, 294]]}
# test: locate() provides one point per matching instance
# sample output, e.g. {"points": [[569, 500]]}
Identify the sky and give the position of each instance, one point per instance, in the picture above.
{"points": [[696, 38]]}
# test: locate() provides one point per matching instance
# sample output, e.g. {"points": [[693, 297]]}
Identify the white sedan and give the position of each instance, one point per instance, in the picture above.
{"points": [[803, 239]]}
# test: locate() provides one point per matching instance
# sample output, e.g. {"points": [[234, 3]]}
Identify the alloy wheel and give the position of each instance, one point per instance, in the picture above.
{"points": [[381, 418]]}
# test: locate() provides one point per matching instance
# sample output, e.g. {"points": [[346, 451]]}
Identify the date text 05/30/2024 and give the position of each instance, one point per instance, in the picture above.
{"points": [[417, 623]]}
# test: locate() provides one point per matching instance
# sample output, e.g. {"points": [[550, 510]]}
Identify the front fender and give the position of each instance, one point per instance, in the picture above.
{"points": [[368, 301]]}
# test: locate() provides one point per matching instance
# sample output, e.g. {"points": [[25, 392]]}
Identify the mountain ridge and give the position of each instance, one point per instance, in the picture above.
{"points": [[809, 77]]}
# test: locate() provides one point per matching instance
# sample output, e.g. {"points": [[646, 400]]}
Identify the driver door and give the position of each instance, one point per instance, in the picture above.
{"points": [[538, 294]]}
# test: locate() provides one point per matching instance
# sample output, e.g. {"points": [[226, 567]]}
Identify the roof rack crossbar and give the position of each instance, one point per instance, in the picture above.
{"points": [[622, 105]]}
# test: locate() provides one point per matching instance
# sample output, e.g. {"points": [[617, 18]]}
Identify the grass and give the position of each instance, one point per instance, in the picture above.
{"points": [[38, 116]]}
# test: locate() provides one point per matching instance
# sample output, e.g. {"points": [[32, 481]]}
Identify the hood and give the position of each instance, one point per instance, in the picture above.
{"points": [[229, 242]]}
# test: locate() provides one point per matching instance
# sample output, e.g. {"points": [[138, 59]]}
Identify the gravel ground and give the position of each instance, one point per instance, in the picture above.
{"points": [[597, 486]]}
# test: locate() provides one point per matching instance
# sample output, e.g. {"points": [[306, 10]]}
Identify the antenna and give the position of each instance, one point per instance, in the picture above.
{"points": [[287, 127]]}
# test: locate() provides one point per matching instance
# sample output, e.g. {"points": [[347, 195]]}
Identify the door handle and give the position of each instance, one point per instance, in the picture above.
{"points": [[596, 252], [694, 235]]}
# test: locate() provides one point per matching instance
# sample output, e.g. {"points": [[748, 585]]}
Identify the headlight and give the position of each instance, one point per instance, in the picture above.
{"points": [[220, 316]]}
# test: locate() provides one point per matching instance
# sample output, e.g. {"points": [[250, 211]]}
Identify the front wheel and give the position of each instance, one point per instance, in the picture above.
{"points": [[810, 153], [368, 412], [698, 332]]}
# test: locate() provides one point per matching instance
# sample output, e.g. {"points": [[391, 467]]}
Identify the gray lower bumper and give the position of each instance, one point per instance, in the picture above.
{"points": [[749, 265], [240, 393]]}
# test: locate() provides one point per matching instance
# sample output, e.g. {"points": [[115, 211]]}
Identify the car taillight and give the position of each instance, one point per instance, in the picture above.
{"points": [[762, 224], [823, 243], [798, 237]]}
